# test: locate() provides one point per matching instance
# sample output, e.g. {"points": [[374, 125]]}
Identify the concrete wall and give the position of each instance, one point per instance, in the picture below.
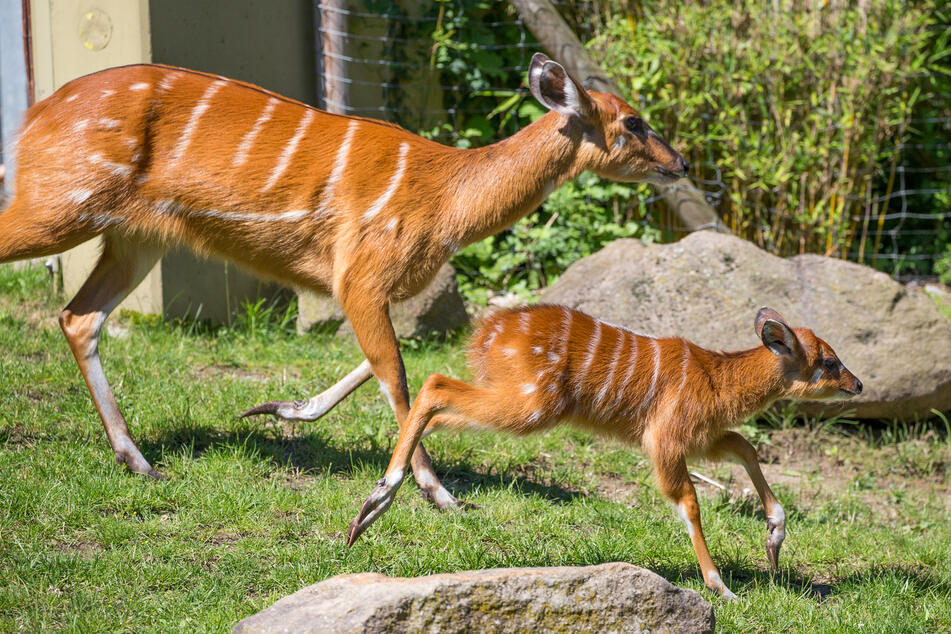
{"points": [[267, 43]]}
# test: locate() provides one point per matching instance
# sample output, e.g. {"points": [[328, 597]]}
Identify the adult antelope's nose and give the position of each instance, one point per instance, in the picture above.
{"points": [[858, 386], [684, 166]]}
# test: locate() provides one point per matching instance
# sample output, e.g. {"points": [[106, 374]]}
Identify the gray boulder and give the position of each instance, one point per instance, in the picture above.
{"points": [[614, 597], [708, 287], [437, 309]]}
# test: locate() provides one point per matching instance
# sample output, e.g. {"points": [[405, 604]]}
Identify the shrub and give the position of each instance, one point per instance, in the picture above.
{"points": [[803, 107]]}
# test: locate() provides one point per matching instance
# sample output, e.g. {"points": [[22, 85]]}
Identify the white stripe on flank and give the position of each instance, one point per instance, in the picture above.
{"points": [[197, 112], [171, 207], [71, 98], [683, 366], [395, 179], [248, 140], [290, 149], [166, 83], [646, 403], [117, 169], [340, 164], [139, 86], [631, 365], [592, 350], [616, 357], [525, 322]]}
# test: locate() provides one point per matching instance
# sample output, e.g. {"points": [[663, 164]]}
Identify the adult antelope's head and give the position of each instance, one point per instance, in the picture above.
{"points": [[616, 141]]}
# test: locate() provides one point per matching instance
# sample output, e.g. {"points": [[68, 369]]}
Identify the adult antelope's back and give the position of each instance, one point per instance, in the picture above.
{"points": [[150, 156]]}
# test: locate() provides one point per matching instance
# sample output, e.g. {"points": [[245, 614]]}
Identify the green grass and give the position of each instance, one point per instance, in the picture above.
{"points": [[254, 510]]}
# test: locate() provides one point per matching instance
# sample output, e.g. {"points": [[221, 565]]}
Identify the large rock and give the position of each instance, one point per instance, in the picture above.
{"points": [[437, 309], [615, 597], [708, 287]]}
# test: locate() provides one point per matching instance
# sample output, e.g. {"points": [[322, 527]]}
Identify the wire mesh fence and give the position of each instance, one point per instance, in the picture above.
{"points": [[454, 71]]}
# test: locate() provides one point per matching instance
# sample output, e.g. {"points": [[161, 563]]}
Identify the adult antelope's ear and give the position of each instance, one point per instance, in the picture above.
{"points": [[775, 333], [554, 88]]}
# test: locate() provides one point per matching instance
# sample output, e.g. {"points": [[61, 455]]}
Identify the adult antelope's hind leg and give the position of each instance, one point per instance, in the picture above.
{"points": [[319, 405], [121, 267], [371, 324], [733, 446]]}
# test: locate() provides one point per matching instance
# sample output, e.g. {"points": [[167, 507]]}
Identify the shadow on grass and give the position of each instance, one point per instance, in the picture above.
{"points": [[743, 579], [316, 452]]}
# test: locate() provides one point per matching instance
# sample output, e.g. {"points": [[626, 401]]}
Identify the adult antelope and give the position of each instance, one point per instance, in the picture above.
{"points": [[149, 155], [538, 366]]}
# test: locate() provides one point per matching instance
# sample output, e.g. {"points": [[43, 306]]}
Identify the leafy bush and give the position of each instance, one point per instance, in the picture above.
{"points": [[803, 107]]}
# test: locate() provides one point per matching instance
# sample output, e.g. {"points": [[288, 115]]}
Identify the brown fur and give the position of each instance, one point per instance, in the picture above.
{"points": [[538, 366]]}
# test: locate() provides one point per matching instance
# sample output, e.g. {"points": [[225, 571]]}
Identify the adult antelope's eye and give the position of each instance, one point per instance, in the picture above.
{"points": [[829, 364], [635, 125]]}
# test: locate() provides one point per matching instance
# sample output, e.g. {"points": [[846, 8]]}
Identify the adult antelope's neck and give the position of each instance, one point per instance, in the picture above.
{"points": [[500, 183]]}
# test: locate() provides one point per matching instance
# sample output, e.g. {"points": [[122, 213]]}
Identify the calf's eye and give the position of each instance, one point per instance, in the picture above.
{"points": [[635, 125]]}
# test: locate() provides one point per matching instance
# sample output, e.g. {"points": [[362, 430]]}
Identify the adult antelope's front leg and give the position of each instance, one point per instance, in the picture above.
{"points": [[371, 324], [734, 447]]}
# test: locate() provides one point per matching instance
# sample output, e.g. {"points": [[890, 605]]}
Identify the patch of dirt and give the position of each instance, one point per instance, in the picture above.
{"points": [[819, 466], [83, 548], [218, 370]]}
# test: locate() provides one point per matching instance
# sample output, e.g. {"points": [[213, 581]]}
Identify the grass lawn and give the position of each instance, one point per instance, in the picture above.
{"points": [[254, 510]]}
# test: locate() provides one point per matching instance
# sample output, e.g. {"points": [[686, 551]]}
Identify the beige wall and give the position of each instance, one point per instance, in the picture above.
{"points": [[72, 38]]}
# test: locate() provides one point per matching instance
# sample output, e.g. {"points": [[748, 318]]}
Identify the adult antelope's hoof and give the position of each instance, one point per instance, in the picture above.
{"points": [[292, 410], [270, 407]]}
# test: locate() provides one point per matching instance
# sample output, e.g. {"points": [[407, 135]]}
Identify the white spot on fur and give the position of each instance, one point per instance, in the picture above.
{"points": [[537, 349], [535, 416], [392, 224], [816, 376], [247, 141], [71, 98], [109, 124], [107, 92], [186, 136], [290, 149], [509, 352], [777, 514], [80, 125], [139, 86], [79, 196], [528, 388], [619, 143], [340, 164], [394, 183]]}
